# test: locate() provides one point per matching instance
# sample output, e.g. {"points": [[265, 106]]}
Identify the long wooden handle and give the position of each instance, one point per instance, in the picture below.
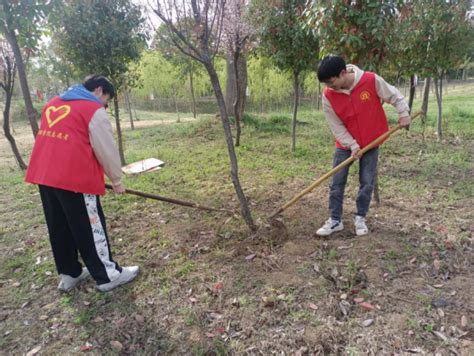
{"points": [[338, 168], [171, 200]]}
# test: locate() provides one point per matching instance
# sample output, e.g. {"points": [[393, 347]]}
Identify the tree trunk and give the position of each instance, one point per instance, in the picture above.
{"points": [[8, 86], [175, 101], [129, 108], [193, 96], [236, 103], [244, 206], [11, 140], [439, 99], [296, 85], [441, 86], [12, 40], [243, 82], [135, 113], [231, 87], [412, 92], [262, 81], [424, 103], [119, 130]]}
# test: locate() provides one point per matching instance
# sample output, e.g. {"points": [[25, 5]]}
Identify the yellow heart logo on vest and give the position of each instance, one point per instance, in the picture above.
{"points": [[63, 111], [365, 95]]}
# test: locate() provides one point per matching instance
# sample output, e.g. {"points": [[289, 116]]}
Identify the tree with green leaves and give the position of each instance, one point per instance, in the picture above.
{"points": [[160, 77], [7, 84], [55, 65], [267, 84], [361, 30], [187, 68], [201, 41], [287, 42], [157, 75], [437, 38], [103, 36], [23, 23]]}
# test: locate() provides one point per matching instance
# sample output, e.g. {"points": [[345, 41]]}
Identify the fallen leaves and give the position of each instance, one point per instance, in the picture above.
{"points": [[3, 316], [440, 335], [34, 351], [268, 302], [439, 303], [316, 268], [87, 347], [367, 322], [345, 247], [116, 345], [216, 332], [367, 306], [250, 257], [442, 229]]}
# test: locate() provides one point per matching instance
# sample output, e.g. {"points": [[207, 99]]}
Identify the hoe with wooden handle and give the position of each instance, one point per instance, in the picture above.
{"points": [[339, 167], [172, 200]]}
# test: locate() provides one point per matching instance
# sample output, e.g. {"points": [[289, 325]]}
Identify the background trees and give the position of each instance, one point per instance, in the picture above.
{"points": [[201, 42], [237, 37], [7, 83], [22, 23], [102, 37], [290, 46]]}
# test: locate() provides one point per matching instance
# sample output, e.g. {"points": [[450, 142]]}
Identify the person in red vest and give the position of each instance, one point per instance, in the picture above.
{"points": [[352, 104], [73, 149]]}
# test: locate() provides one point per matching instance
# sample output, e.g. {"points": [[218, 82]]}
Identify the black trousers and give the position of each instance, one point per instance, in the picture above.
{"points": [[76, 223]]}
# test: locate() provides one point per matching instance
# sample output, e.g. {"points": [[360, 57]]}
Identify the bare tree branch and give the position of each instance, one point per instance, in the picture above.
{"points": [[168, 22]]}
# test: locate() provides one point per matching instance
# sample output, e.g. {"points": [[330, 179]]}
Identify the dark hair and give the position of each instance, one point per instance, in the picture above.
{"points": [[91, 82], [330, 66]]}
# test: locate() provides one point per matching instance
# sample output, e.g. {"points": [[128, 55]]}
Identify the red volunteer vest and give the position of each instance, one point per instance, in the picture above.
{"points": [[62, 156], [361, 111]]}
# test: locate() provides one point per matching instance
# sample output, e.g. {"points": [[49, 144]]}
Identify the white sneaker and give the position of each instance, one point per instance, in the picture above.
{"points": [[360, 226], [329, 227], [128, 274], [67, 282]]}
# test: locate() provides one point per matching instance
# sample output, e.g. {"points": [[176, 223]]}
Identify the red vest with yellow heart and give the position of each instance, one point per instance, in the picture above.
{"points": [[361, 111], [62, 156]]}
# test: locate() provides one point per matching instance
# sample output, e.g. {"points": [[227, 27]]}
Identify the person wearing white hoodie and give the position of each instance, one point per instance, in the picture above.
{"points": [[352, 104]]}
